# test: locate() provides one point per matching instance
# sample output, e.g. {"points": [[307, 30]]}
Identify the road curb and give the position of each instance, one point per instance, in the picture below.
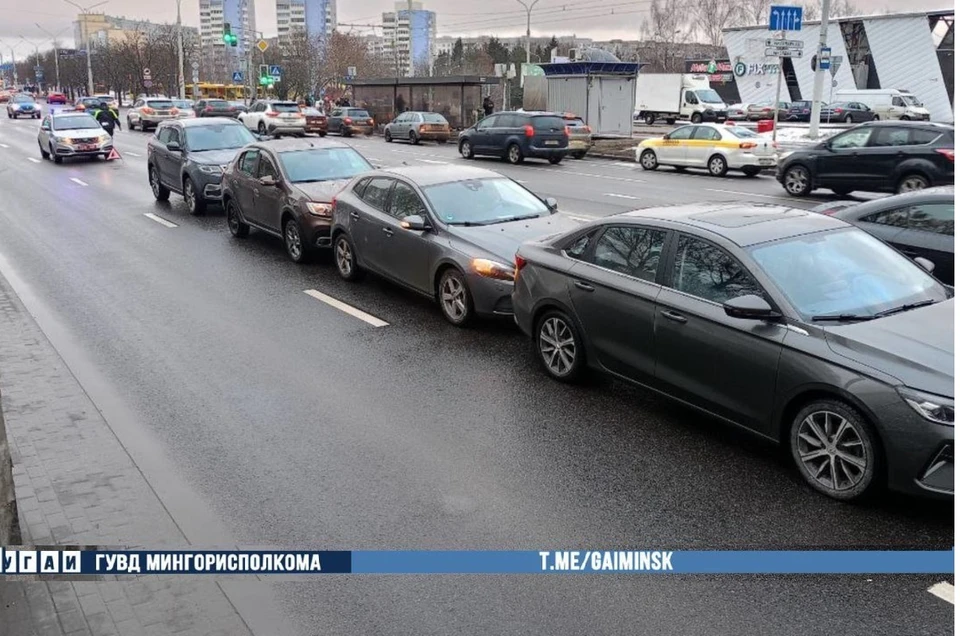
{"points": [[9, 517]]}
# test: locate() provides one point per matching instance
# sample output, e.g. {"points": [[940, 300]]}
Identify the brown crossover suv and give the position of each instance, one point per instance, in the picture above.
{"points": [[286, 188]]}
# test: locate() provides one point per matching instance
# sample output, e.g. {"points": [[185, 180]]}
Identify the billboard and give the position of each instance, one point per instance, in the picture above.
{"points": [[720, 74]]}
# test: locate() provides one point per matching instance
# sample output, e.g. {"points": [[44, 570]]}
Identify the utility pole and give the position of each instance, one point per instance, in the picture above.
{"points": [[818, 77], [86, 40], [36, 51], [181, 80], [529, 9], [56, 50], [13, 63]]}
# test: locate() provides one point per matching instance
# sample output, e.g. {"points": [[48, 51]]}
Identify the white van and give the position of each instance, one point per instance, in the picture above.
{"points": [[887, 103]]}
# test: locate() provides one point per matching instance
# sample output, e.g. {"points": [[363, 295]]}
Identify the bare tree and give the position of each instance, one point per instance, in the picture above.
{"points": [[711, 17], [663, 33], [838, 9], [752, 13]]}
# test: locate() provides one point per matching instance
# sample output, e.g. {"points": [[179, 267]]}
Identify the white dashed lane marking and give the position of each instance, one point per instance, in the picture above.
{"points": [[943, 590], [432, 161], [4, 146], [79, 181], [345, 308], [133, 154], [33, 159], [620, 196], [159, 219]]}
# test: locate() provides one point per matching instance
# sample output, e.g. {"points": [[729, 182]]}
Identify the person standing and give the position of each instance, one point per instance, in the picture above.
{"points": [[107, 117], [487, 106]]}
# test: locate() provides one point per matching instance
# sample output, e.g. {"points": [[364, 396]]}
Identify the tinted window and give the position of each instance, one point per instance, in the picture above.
{"points": [[487, 123], [359, 114], [286, 107], [931, 217], [163, 135], [706, 133], [248, 162], [484, 201], [266, 168], [323, 164], [433, 118], [578, 248], [634, 251], [896, 217], [160, 104], [708, 272], [891, 136], [551, 124], [218, 137], [681, 133], [376, 193], [510, 121], [851, 139], [406, 202], [358, 189], [922, 137], [74, 122]]}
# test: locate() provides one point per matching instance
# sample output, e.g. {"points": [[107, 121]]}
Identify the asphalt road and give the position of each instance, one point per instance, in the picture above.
{"points": [[299, 425]]}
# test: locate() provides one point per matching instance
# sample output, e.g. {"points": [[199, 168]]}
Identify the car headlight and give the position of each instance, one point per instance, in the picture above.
{"points": [[217, 170], [104, 137], [492, 269], [934, 408], [323, 210]]}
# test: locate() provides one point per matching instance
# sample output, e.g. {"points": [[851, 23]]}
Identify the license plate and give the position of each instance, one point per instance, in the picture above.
{"points": [[86, 147], [765, 162], [552, 142]]}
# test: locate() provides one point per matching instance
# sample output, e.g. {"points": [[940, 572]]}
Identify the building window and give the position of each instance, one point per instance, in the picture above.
{"points": [[858, 54]]}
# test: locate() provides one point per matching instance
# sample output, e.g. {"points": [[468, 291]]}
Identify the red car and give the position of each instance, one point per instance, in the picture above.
{"points": [[316, 121], [56, 98]]}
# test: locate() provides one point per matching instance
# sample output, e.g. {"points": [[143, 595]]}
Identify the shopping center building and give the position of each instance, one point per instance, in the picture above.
{"points": [[906, 51]]}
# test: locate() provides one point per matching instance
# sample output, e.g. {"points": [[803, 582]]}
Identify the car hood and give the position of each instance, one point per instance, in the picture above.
{"points": [[503, 239], [322, 191], [78, 132], [914, 346], [215, 157]]}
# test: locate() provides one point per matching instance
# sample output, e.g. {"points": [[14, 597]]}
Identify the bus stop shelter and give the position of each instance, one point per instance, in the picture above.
{"points": [[457, 98]]}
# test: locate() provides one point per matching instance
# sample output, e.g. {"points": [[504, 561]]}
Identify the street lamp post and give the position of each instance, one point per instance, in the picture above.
{"points": [[13, 63], [529, 8], [36, 51], [86, 41], [181, 80], [56, 51]]}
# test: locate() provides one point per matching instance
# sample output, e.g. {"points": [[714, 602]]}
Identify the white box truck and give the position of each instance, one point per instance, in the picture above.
{"points": [[673, 96], [887, 103]]}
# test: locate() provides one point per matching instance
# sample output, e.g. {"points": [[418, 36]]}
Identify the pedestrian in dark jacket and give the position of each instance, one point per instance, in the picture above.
{"points": [[487, 105], [107, 117]]}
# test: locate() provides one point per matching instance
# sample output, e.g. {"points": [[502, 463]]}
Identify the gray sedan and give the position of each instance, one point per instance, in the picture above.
{"points": [[447, 232], [791, 324]]}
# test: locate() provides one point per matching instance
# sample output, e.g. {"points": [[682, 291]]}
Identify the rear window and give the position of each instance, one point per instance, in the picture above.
{"points": [[159, 103], [359, 113], [218, 103], [433, 118], [552, 124], [742, 133], [575, 121], [285, 107]]}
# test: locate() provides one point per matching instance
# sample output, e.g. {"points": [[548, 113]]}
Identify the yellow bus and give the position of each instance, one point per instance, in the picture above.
{"points": [[229, 92]]}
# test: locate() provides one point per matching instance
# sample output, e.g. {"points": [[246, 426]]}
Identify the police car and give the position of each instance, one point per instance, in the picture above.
{"points": [[72, 133], [716, 147]]}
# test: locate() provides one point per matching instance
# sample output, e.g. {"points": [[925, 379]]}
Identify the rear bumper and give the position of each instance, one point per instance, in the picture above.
{"points": [[357, 130], [294, 129], [743, 160], [435, 135], [545, 153]]}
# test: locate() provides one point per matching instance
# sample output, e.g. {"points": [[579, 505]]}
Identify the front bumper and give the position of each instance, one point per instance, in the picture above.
{"points": [[20, 112], [714, 115], [491, 297], [919, 453], [72, 150], [211, 185]]}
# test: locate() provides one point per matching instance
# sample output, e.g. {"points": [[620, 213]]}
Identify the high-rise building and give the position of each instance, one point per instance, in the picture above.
{"points": [[318, 18], [409, 34], [99, 29], [242, 18]]}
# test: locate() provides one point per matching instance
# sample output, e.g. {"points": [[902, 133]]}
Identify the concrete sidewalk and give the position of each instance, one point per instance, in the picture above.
{"points": [[75, 484]]}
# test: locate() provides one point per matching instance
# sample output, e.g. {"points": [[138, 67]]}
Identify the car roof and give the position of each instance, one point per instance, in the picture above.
{"points": [[425, 176], [939, 194], [742, 223], [916, 124], [292, 144], [63, 113]]}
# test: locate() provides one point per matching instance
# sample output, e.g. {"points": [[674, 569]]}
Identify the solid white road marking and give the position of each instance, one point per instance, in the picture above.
{"points": [[4, 146], [944, 590], [344, 307], [431, 161], [133, 154], [751, 194], [619, 196], [78, 181], [33, 159], [159, 219], [626, 164]]}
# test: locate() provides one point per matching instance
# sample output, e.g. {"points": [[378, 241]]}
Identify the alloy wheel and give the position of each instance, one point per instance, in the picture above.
{"points": [[557, 346], [912, 183], [797, 181], [292, 239], [648, 160], [832, 451], [190, 196], [344, 256], [513, 154], [466, 150], [155, 183], [453, 296], [717, 166]]}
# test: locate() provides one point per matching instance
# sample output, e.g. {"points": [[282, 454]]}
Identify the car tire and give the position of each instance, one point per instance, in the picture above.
{"points": [[43, 153], [514, 154], [558, 346], [297, 249], [456, 302], [848, 119], [797, 181], [717, 166], [345, 258], [413, 138], [261, 129], [904, 118], [387, 137], [912, 182], [56, 158], [649, 119], [751, 172], [466, 149], [555, 160], [696, 118], [234, 223], [817, 434], [876, 118], [160, 191], [196, 205], [671, 121], [580, 154], [648, 160]]}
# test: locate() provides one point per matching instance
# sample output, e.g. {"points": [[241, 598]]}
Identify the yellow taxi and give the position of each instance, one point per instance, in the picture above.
{"points": [[716, 147], [580, 137]]}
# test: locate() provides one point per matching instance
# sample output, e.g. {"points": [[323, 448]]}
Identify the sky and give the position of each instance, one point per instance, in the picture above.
{"points": [[597, 19]]}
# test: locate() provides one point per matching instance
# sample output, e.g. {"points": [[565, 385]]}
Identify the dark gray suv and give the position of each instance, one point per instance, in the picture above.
{"points": [[189, 157], [791, 324]]}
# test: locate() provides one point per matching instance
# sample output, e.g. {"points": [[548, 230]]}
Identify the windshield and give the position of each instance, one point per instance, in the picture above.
{"points": [[74, 122], [22, 99], [359, 114], [281, 107], [183, 104], [105, 98], [844, 272], [433, 118], [910, 100], [742, 133], [323, 164], [708, 96], [484, 202], [217, 137], [313, 112], [574, 122], [551, 123], [160, 103]]}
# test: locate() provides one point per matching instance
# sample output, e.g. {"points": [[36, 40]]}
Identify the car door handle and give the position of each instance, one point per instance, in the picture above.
{"points": [[355, 216], [584, 286], [674, 316], [387, 231]]}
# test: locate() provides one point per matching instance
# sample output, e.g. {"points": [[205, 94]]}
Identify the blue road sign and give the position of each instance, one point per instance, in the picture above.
{"points": [[786, 18], [825, 58], [237, 76], [275, 70]]}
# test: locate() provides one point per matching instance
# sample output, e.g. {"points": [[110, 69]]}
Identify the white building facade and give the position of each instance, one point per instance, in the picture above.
{"points": [[317, 17]]}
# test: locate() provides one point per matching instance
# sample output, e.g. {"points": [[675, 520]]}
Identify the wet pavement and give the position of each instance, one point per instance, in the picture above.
{"points": [[296, 424]]}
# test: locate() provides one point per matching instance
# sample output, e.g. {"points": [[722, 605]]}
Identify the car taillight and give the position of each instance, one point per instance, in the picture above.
{"points": [[519, 263], [946, 152], [837, 111], [806, 111], [174, 111], [147, 110], [528, 130], [273, 114], [208, 109], [747, 144], [423, 128], [589, 130], [347, 120], [566, 131]]}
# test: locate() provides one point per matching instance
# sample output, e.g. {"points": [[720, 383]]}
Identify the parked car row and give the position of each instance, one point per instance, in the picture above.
{"points": [[796, 325]]}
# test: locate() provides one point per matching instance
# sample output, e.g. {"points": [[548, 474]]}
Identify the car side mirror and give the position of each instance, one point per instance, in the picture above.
{"points": [[268, 181], [750, 307], [415, 223], [263, 137], [925, 263], [552, 204], [45, 127], [173, 146]]}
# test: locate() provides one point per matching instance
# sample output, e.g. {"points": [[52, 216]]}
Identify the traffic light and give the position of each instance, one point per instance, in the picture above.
{"points": [[228, 36]]}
